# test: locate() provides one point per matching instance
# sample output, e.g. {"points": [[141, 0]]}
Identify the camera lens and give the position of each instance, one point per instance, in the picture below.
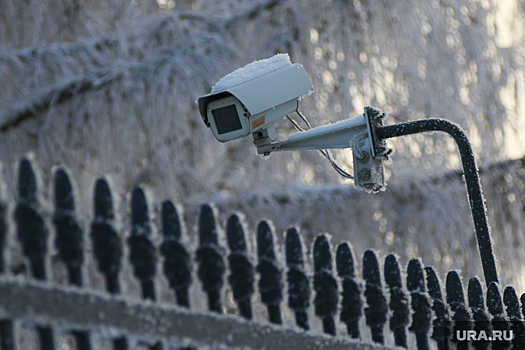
{"points": [[227, 119]]}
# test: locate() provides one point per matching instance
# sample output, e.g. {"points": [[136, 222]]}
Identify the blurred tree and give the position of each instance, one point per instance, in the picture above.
{"points": [[109, 87]]}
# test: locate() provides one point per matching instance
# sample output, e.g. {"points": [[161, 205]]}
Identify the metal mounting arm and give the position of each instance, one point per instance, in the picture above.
{"points": [[366, 136], [475, 195], [337, 135], [356, 133]]}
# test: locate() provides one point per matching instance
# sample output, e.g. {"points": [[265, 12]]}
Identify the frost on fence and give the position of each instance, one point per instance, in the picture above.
{"points": [[242, 274], [177, 261], [120, 103], [398, 301], [298, 283], [333, 290]]}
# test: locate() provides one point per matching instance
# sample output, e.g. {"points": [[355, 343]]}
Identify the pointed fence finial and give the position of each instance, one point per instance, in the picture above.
{"points": [[3, 234], [102, 201], [242, 276], [27, 184], [479, 315], [500, 321], [456, 302], [422, 313], [31, 229], [325, 285], [270, 281], [510, 298], [377, 309], [177, 262], [142, 254], [68, 233], [32, 234], [352, 303], [398, 301], [298, 283], [440, 324], [209, 256], [107, 246]]}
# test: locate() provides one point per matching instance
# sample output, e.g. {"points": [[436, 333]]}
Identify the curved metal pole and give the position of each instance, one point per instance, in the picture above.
{"points": [[477, 202]]}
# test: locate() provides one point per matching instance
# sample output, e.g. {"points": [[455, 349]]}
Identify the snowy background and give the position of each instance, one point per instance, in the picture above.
{"points": [[108, 88]]}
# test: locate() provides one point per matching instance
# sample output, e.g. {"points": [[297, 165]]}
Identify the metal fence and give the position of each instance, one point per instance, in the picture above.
{"points": [[375, 303]]}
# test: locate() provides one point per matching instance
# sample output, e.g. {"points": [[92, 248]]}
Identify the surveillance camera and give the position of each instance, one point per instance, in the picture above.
{"points": [[251, 99]]}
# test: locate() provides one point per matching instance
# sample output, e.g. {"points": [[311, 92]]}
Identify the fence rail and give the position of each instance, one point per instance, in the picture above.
{"points": [[72, 309], [417, 310]]}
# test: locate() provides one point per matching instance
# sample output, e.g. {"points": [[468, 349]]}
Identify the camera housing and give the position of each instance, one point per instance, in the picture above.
{"points": [[254, 105]]}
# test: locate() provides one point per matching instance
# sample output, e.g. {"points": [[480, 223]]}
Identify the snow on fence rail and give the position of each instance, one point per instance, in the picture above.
{"points": [[341, 298]]}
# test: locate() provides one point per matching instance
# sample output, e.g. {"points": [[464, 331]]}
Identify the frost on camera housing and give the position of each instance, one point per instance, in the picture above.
{"points": [[252, 99]]}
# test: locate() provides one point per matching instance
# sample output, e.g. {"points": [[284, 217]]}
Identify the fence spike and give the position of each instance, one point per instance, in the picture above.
{"points": [[103, 203], [69, 240], [207, 229], [64, 199], [499, 318], [171, 224], [46, 337], [352, 303], [398, 301], [440, 324], [27, 184], [298, 282], [107, 246], [422, 313], [120, 344], [475, 295], [7, 335], [325, 285], [345, 261], [68, 232], [242, 277], [510, 298], [3, 236], [82, 340], [522, 304], [235, 235], [32, 234], [31, 230], [270, 282], [479, 315], [142, 254], [210, 259], [377, 309], [494, 302], [433, 283], [177, 262], [455, 297], [456, 301]]}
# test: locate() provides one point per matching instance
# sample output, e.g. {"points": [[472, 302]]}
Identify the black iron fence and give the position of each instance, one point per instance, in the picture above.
{"points": [[398, 306]]}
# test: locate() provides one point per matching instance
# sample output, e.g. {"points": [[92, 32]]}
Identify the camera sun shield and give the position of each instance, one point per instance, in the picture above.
{"points": [[259, 102]]}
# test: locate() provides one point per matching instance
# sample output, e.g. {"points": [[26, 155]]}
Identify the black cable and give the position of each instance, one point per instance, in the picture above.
{"points": [[325, 152]]}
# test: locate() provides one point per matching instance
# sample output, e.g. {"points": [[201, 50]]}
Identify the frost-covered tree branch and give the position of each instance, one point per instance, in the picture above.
{"points": [[53, 96], [250, 14], [96, 53]]}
